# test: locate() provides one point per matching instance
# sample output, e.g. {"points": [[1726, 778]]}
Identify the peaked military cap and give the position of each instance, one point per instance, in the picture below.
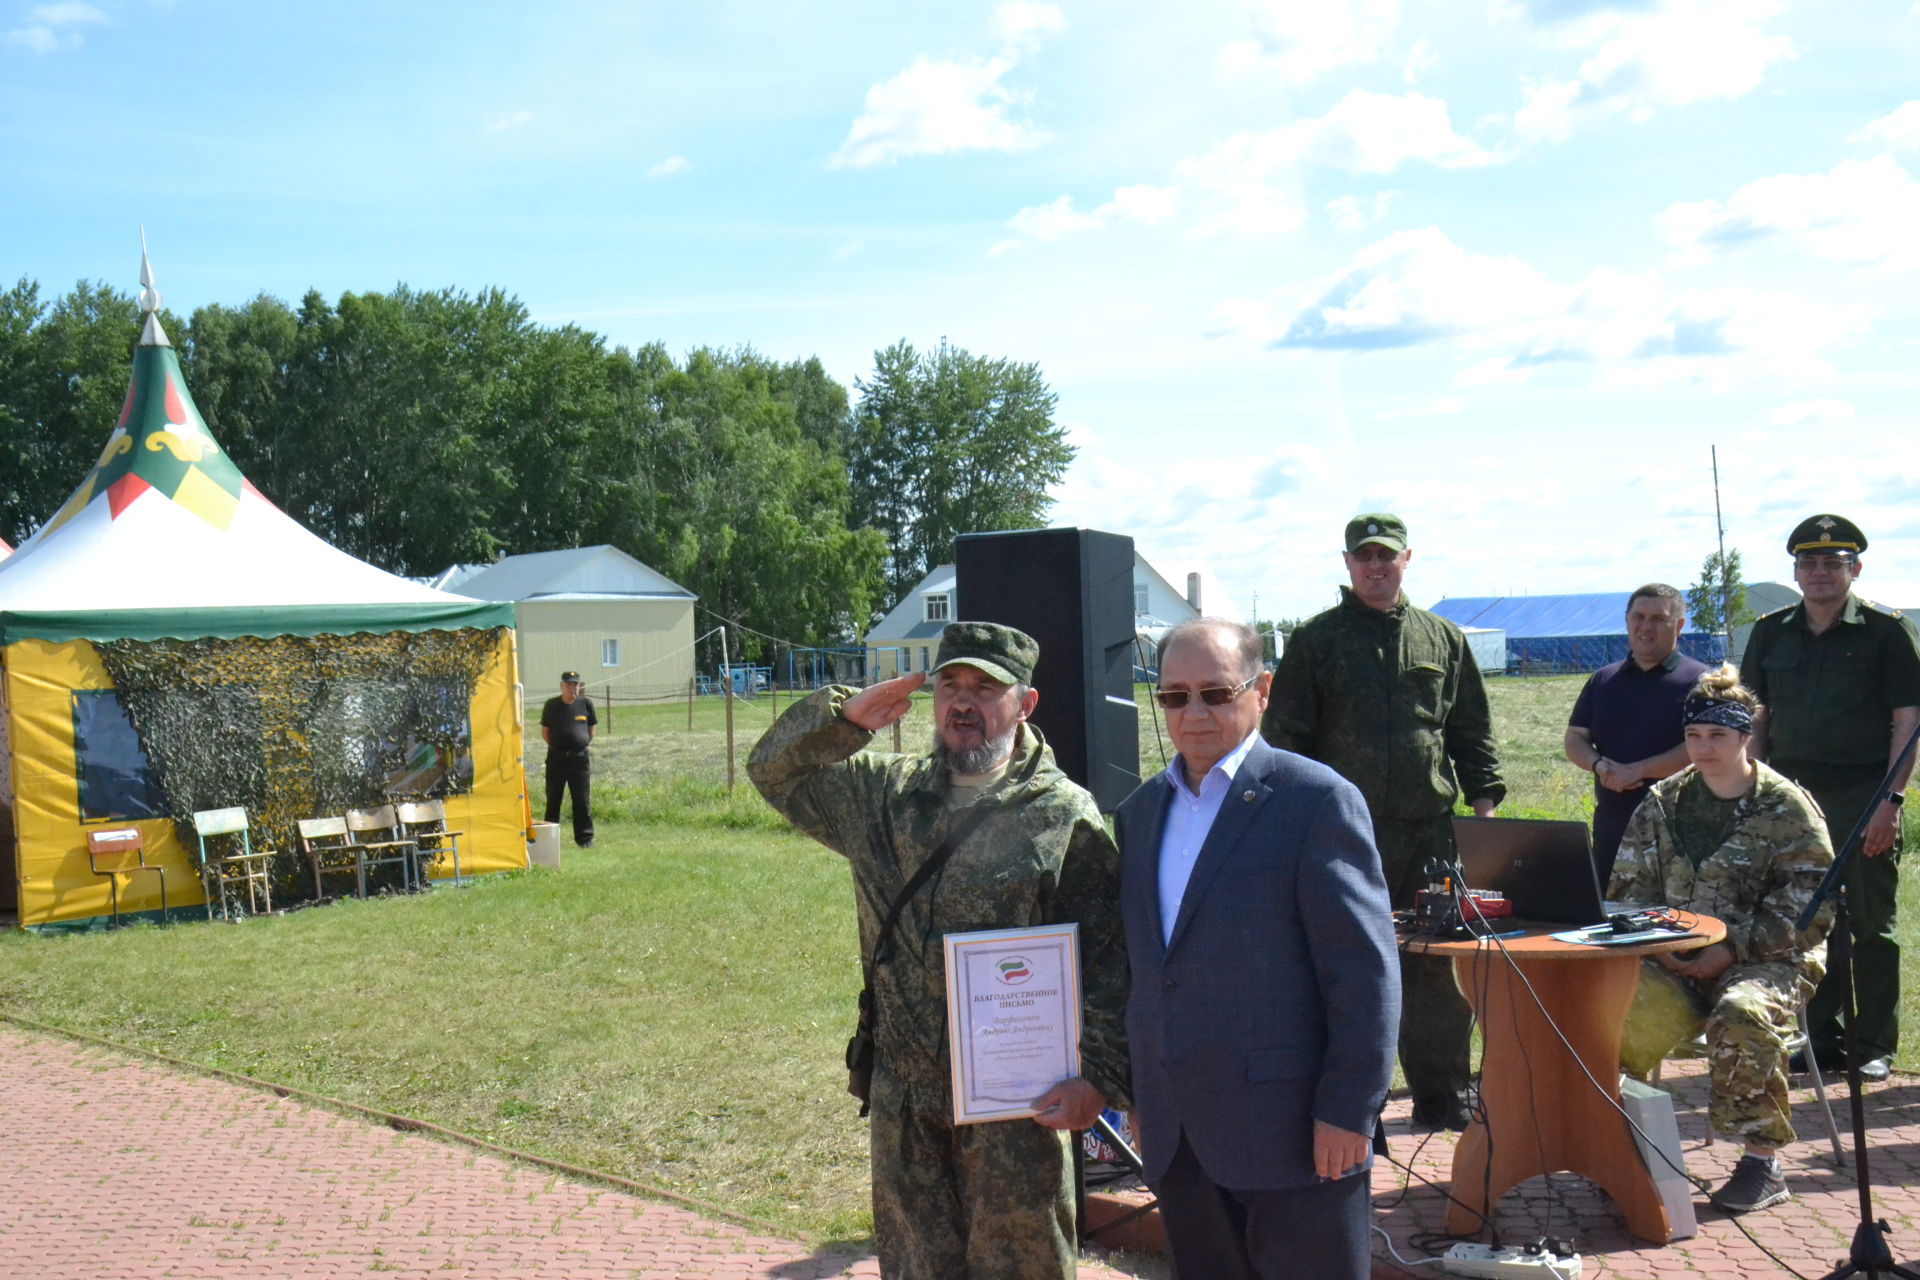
{"points": [[1387, 530], [570, 677], [1003, 653], [1835, 535]]}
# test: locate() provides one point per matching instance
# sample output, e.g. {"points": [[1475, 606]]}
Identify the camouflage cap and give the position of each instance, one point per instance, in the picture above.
{"points": [[1380, 527], [1835, 535], [1003, 653]]}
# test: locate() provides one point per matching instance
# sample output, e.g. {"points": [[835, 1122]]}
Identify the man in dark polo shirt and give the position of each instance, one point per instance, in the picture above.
{"points": [[1840, 682], [566, 726], [1625, 728]]}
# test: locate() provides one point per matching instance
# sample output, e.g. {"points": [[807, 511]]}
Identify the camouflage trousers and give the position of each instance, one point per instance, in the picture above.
{"points": [[1436, 1025], [1747, 1014], [968, 1202]]}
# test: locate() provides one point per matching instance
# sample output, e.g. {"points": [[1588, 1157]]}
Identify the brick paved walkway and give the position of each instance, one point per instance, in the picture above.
{"points": [[112, 1166], [1811, 1232]]}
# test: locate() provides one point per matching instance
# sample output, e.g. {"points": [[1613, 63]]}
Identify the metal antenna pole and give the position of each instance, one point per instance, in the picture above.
{"points": [[1720, 531]]}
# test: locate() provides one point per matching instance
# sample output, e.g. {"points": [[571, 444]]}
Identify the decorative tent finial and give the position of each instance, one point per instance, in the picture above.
{"points": [[152, 335]]}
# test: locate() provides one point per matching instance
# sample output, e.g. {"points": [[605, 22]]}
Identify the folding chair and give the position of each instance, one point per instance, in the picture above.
{"points": [[228, 858], [113, 847], [1799, 1042], [392, 851], [332, 852], [425, 823]]}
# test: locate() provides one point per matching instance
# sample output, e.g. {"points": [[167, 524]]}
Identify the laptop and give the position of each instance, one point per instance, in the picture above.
{"points": [[1544, 868]]}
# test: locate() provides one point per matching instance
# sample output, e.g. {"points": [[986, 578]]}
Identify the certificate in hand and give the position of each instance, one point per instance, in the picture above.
{"points": [[1013, 1018]]}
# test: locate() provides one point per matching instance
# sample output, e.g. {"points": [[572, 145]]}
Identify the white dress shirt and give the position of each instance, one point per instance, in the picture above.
{"points": [[1190, 816]]}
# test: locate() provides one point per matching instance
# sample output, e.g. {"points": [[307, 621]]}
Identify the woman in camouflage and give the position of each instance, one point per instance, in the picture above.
{"points": [[1729, 837]]}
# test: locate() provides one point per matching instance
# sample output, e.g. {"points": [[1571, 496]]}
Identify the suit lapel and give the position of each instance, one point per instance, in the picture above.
{"points": [[1147, 852], [1245, 796]]}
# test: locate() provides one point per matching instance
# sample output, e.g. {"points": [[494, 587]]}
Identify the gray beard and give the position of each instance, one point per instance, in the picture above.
{"points": [[977, 759]]}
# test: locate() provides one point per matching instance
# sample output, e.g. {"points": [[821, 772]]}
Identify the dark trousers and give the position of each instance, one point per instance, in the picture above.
{"points": [[570, 771], [1873, 888], [1316, 1232], [1436, 1025]]}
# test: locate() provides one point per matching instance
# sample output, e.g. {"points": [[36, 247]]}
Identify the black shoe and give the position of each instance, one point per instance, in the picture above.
{"points": [[1443, 1111], [583, 844], [1831, 1062], [1875, 1070], [1755, 1184]]}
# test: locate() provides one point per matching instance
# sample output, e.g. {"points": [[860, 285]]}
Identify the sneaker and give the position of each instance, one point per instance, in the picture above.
{"points": [[1443, 1111], [1755, 1184]]}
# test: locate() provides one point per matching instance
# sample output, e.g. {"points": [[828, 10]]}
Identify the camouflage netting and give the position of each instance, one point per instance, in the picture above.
{"points": [[298, 727]]}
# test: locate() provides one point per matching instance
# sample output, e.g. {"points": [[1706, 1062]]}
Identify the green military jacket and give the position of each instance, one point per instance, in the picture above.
{"points": [[1830, 697], [1042, 857], [1770, 860], [1393, 702]]}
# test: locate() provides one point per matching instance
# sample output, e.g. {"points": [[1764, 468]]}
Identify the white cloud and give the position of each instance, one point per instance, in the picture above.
{"points": [[509, 120], [1026, 23], [1045, 223], [1419, 288], [935, 107], [1443, 407], [1808, 413], [54, 26], [1863, 214], [1378, 132], [1351, 213], [669, 167], [1420, 59], [1302, 41], [1666, 55], [1899, 129]]}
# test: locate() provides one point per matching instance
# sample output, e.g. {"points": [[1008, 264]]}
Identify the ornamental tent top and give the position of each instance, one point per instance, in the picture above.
{"points": [[165, 522]]}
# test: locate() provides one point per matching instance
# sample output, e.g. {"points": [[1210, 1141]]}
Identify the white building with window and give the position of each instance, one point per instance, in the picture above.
{"points": [[595, 610], [906, 639]]}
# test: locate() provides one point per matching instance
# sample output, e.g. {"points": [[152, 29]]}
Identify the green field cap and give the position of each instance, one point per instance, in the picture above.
{"points": [[1003, 653], [1387, 530]]}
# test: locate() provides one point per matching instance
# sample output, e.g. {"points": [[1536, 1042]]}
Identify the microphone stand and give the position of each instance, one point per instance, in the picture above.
{"points": [[1868, 1255]]}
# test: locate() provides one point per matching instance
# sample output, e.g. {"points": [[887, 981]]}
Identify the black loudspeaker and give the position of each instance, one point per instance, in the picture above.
{"points": [[1072, 590]]}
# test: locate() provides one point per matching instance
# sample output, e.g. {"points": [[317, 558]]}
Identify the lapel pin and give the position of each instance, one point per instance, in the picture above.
{"points": [[1246, 797]]}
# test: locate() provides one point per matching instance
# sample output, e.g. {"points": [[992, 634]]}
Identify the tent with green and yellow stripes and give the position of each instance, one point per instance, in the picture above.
{"points": [[171, 641]]}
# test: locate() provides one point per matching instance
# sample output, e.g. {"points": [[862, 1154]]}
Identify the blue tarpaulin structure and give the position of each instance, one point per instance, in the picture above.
{"points": [[1564, 633]]}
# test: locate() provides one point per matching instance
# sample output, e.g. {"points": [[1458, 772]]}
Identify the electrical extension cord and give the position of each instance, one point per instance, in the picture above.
{"points": [[1535, 1262]]}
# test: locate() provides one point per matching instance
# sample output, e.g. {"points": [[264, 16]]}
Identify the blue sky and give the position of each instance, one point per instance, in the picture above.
{"points": [[1507, 267]]}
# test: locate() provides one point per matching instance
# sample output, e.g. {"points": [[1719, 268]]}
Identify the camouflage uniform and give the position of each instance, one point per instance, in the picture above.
{"points": [[968, 1202], [1764, 873], [1393, 701]]}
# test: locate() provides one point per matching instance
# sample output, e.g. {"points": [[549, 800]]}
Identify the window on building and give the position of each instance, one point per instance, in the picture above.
{"points": [[925, 663], [116, 780], [1139, 597], [938, 602], [609, 653]]}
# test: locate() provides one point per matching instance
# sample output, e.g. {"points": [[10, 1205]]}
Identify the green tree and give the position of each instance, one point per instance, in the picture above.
{"points": [[1718, 602], [949, 443]]}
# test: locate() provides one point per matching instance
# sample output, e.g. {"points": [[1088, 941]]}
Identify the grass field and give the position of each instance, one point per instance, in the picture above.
{"points": [[671, 1006]]}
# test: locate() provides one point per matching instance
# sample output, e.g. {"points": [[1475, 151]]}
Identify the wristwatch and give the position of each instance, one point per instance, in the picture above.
{"points": [[1896, 798]]}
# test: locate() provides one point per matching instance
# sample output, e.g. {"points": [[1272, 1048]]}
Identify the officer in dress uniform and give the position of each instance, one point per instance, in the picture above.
{"points": [[1840, 680]]}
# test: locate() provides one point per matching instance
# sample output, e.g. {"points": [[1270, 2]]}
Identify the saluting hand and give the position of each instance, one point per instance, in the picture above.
{"points": [[879, 705]]}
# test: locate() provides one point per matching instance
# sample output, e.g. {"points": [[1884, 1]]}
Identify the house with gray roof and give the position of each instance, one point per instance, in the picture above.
{"points": [[596, 610]]}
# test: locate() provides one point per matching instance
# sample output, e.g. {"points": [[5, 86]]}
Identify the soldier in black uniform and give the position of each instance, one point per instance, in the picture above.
{"points": [[566, 726], [1840, 679]]}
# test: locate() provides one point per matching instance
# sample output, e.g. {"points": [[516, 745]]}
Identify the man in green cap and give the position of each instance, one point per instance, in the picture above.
{"points": [[981, 1201], [1839, 679], [1390, 697]]}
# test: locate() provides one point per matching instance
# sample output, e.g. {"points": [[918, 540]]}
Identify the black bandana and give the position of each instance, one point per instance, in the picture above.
{"points": [[1733, 715]]}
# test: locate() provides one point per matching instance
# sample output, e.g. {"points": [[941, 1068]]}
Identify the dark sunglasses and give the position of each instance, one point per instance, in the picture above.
{"points": [[1174, 699]]}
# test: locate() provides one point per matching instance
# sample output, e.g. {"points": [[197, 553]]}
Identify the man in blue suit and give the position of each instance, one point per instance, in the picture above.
{"points": [[1266, 989]]}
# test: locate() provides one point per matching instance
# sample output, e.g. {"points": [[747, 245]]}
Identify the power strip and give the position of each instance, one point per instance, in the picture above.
{"points": [[1485, 1260]]}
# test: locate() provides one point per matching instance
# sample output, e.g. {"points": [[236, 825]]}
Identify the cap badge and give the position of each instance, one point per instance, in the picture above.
{"points": [[1373, 528], [1825, 522]]}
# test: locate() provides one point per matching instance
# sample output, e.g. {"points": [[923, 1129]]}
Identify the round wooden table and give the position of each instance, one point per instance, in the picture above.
{"points": [[1543, 1114]]}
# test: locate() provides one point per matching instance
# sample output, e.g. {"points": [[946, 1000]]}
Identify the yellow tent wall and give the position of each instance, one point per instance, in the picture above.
{"points": [[58, 886]]}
